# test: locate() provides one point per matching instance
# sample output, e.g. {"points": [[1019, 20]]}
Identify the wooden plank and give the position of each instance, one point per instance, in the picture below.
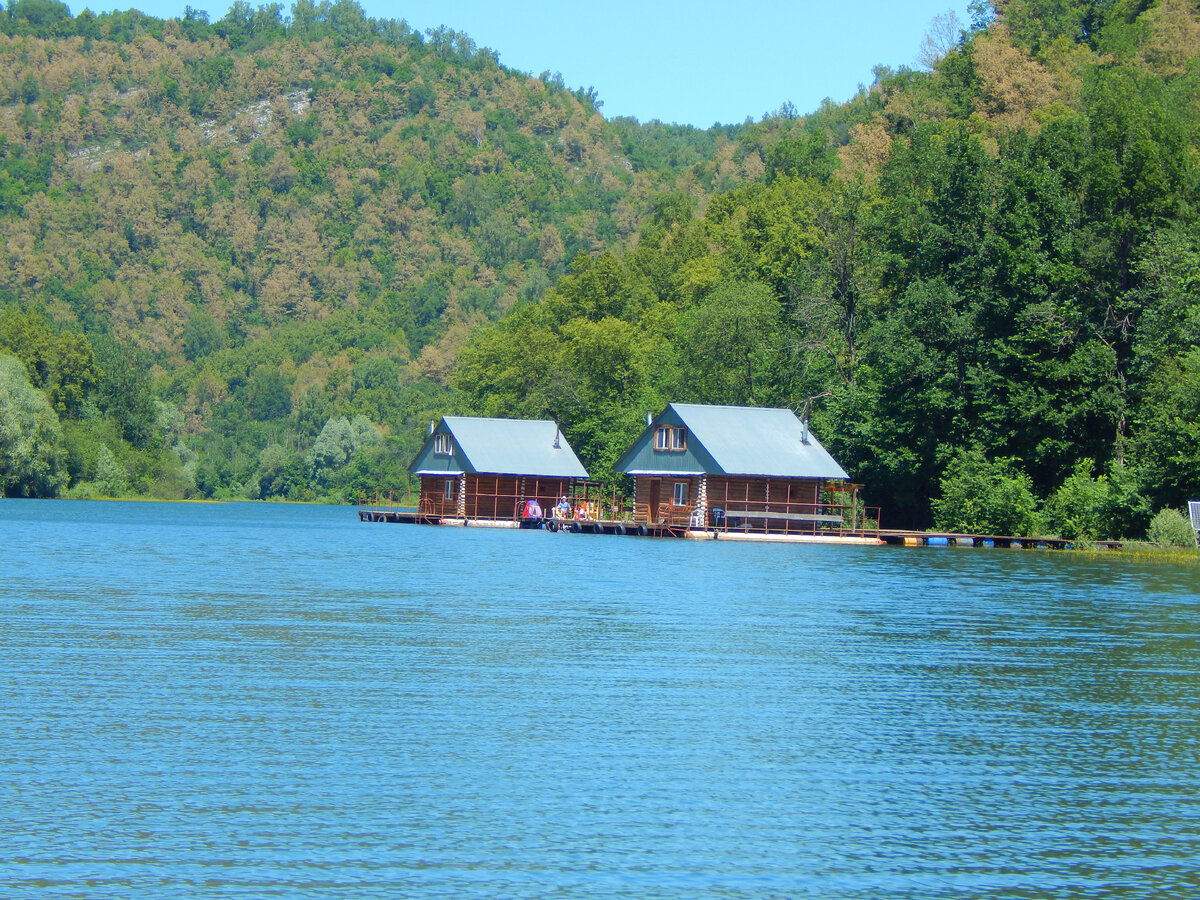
{"points": [[793, 517]]}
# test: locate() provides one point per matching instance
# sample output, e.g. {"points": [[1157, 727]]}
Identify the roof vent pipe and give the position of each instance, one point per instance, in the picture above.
{"points": [[649, 419], [557, 444], [804, 415], [431, 424]]}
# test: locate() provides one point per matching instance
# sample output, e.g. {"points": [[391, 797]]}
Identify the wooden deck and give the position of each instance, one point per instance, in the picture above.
{"points": [[1008, 542], [387, 511]]}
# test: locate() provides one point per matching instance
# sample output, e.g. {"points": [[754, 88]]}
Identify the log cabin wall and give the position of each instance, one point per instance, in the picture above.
{"points": [[641, 498], [742, 491], [755, 496], [433, 496], [723, 490], [493, 496], [546, 491], [667, 513], [489, 496]]}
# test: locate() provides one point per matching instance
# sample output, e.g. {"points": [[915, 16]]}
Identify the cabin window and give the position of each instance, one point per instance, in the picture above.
{"points": [[680, 496], [448, 490], [672, 438], [443, 445]]}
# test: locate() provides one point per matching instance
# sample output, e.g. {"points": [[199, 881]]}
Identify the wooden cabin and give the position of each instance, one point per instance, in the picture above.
{"points": [[484, 470], [733, 469]]}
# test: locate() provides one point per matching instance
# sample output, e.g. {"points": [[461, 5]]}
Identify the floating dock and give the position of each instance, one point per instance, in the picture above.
{"points": [[387, 508], [388, 511], [412, 516], [989, 541]]}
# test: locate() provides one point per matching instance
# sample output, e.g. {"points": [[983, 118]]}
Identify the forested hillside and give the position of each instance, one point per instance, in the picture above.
{"points": [[982, 281], [265, 227], [253, 258]]}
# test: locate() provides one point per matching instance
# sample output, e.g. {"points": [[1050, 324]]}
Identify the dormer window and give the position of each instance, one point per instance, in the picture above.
{"points": [[670, 438], [443, 445]]}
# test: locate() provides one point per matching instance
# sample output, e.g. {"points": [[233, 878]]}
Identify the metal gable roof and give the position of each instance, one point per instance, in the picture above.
{"points": [[746, 440], [514, 447]]}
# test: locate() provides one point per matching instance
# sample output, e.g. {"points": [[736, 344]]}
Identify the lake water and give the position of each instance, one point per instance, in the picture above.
{"points": [[245, 700]]}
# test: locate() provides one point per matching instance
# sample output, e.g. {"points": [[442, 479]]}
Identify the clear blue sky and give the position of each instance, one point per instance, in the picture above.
{"points": [[694, 63]]}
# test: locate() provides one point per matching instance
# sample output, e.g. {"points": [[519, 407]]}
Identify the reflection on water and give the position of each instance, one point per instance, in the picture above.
{"points": [[249, 700]]}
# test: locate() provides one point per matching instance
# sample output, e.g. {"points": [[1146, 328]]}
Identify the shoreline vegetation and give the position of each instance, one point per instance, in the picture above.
{"points": [[253, 258], [1149, 552]]}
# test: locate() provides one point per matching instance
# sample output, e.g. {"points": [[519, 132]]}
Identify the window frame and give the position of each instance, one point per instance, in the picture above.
{"points": [[679, 494], [670, 439], [443, 444], [448, 490]]}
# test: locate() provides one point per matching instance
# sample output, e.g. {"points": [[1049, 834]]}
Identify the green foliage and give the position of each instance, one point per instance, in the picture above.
{"points": [[1108, 507], [806, 156], [268, 395], [111, 479], [61, 364], [32, 458], [124, 391], [1038, 24], [1171, 528], [412, 150], [1074, 510], [1125, 511], [337, 445], [1166, 299], [201, 336], [41, 18], [981, 496], [281, 474], [1166, 445], [373, 467], [727, 345], [656, 147]]}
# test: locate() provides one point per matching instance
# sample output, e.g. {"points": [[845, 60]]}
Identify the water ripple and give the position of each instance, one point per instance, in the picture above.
{"points": [[246, 701]]}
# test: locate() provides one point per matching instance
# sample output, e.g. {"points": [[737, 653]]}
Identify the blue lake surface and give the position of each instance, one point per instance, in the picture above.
{"points": [[249, 700]]}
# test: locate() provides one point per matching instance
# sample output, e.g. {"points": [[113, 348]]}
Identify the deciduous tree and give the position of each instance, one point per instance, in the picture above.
{"points": [[982, 496], [32, 457]]}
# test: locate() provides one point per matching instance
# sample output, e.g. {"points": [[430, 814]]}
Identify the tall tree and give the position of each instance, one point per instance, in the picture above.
{"points": [[728, 346], [32, 457]]}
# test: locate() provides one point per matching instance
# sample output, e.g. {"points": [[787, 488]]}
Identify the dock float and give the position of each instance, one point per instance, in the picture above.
{"points": [[409, 514], [989, 541]]}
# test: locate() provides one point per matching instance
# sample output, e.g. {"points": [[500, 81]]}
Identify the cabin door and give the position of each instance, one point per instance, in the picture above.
{"points": [[655, 497]]}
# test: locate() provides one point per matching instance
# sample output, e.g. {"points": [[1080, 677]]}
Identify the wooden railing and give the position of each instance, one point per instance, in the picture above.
{"points": [[667, 515], [748, 516], [794, 518], [430, 506], [390, 501]]}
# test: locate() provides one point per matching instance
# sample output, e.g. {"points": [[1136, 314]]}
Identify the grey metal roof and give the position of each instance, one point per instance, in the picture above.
{"points": [[515, 447], [746, 440]]}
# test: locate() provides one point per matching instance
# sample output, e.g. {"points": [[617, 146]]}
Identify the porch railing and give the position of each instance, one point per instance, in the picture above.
{"points": [[758, 517], [390, 501]]}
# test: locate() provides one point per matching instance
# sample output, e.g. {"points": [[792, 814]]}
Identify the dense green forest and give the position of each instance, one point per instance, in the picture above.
{"points": [[254, 257]]}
